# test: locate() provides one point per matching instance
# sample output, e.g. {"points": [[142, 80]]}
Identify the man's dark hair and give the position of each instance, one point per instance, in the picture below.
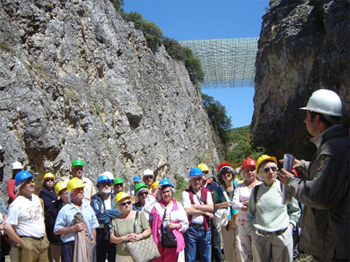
{"points": [[326, 120]]}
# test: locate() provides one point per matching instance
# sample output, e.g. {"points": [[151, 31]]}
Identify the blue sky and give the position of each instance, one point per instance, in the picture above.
{"points": [[209, 19]]}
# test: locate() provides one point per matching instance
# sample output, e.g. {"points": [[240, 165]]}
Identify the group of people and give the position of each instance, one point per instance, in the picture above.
{"points": [[72, 221]]}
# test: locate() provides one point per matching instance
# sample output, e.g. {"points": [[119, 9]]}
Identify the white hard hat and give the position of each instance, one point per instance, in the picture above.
{"points": [[108, 174], [324, 101], [16, 165], [148, 172]]}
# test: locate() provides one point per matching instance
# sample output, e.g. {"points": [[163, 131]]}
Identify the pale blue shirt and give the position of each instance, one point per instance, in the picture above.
{"points": [[66, 215]]}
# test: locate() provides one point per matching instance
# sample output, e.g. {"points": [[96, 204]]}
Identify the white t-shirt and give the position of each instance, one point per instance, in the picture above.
{"points": [[186, 202], [242, 194], [26, 215]]}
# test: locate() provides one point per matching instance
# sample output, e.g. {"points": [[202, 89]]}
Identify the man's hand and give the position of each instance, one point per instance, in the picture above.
{"points": [[79, 227], [284, 176]]}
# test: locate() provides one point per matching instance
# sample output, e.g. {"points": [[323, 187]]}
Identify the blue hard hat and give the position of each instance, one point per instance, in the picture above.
{"points": [[196, 172], [136, 179], [165, 182], [103, 178], [21, 176]]}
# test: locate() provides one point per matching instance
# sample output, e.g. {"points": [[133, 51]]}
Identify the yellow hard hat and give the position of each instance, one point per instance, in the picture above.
{"points": [[263, 159], [48, 176], [154, 185], [60, 186], [74, 183], [203, 167], [121, 196]]}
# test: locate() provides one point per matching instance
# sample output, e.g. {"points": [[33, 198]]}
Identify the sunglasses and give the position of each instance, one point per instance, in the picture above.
{"points": [[126, 203], [143, 193], [273, 168], [149, 177], [49, 180], [29, 181]]}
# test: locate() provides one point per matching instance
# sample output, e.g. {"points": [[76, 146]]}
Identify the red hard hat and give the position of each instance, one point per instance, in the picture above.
{"points": [[249, 162], [224, 164]]}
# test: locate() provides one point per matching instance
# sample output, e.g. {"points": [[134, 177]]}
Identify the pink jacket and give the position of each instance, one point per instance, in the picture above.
{"points": [[177, 215]]}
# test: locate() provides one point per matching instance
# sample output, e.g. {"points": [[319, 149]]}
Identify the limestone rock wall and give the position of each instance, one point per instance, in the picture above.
{"points": [[304, 46], [76, 81]]}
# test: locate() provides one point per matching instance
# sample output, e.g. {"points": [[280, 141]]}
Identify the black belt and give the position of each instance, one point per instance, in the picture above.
{"points": [[196, 225], [36, 238], [70, 243]]}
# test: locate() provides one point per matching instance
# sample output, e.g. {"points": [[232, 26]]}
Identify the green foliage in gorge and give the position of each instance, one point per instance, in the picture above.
{"points": [[239, 146], [194, 67], [217, 115], [174, 49], [152, 32], [118, 5]]}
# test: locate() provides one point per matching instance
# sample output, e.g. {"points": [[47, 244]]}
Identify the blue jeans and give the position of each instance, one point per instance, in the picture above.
{"points": [[196, 238]]}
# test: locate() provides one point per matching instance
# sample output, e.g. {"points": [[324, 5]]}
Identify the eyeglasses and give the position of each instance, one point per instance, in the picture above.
{"points": [[148, 177], [227, 173], [119, 185], [126, 203], [273, 168], [143, 193]]}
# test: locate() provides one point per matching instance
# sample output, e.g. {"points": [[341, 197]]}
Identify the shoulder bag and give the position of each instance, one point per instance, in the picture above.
{"points": [[168, 238], [143, 250], [221, 215]]}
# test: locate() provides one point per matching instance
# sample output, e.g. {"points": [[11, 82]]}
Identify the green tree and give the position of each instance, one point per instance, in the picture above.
{"points": [[152, 33], [118, 5], [174, 49], [194, 67], [217, 115]]}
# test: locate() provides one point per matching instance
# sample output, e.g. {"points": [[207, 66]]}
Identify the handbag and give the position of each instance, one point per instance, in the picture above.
{"points": [[143, 250], [221, 215], [168, 238]]}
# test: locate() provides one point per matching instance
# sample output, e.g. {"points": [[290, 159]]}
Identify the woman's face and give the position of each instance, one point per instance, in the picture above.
{"points": [[269, 173], [143, 195], [64, 195], [227, 176], [49, 183], [125, 206], [166, 194], [249, 173]]}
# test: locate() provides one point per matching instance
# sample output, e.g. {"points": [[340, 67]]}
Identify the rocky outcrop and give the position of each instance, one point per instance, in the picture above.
{"points": [[304, 46], [76, 81]]}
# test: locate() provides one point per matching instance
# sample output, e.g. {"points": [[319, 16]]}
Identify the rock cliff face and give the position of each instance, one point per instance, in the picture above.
{"points": [[303, 46], [76, 81]]}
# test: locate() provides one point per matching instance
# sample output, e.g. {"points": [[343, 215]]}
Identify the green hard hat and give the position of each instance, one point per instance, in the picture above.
{"points": [[139, 186], [77, 162], [118, 180]]}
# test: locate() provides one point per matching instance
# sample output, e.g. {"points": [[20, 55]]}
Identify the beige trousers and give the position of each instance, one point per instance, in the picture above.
{"points": [[55, 252], [232, 244], [278, 248]]}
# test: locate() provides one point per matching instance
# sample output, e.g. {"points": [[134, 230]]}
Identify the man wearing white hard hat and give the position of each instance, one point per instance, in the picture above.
{"points": [[148, 178], [323, 184]]}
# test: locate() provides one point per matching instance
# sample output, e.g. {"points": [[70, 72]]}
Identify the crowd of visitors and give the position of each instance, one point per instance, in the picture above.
{"points": [[74, 220]]}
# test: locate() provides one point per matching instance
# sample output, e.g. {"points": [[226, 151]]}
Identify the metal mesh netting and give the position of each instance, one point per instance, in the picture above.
{"points": [[226, 62]]}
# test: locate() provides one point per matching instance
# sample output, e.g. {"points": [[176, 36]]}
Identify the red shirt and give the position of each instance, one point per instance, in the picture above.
{"points": [[11, 190]]}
